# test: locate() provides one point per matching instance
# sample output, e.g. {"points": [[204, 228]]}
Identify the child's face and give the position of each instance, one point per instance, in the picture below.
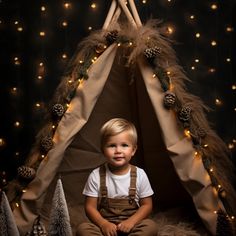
{"points": [[119, 149]]}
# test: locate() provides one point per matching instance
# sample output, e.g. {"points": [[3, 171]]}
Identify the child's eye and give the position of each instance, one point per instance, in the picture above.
{"points": [[111, 145], [125, 145]]}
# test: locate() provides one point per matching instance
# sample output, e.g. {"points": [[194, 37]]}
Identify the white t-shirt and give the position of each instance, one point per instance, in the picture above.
{"points": [[118, 185]]}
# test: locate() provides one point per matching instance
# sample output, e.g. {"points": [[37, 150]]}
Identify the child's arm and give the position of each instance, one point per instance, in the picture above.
{"points": [[108, 228], [143, 212]]}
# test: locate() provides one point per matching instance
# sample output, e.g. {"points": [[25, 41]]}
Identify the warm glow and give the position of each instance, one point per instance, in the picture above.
{"points": [[144, 1], [229, 29], [90, 28], [2, 142], [43, 8], [212, 70], [228, 59], [42, 33], [93, 5], [213, 43], [234, 87], [213, 6], [218, 101], [197, 35], [192, 67], [187, 133], [20, 29], [64, 56], [192, 17], [64, 23], [17, 124], [67, 5], [170, 30]]}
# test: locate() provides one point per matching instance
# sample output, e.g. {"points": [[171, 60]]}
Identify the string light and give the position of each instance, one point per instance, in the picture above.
{"points": [[170, 29], [197, 35], [42, 33], [229, 29], [64, 23], [212, 70], [2, 142], [187, 133], [20, 29], [144, 1], [93, 5], [67, 5], [17, 124], [192, 17], [64, 56], [218, 102], [213, 43], [16, 61], [43, 8], [214, 6]]}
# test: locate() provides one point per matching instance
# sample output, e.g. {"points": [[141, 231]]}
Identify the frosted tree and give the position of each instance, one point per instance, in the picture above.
{"points": [[7, 222], [59, 222]]}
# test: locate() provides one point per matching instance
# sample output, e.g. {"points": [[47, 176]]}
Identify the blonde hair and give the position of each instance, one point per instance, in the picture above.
{"points": [[116, 126]]}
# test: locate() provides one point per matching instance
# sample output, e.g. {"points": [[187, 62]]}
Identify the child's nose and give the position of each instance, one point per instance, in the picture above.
{"points": [[118, 149]]}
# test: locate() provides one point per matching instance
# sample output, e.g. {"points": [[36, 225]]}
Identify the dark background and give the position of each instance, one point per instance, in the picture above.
{"points": [[24, 95]]}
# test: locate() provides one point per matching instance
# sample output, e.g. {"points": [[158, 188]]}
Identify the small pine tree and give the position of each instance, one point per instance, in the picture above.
{"points": [[7, 222], [59, 222]]}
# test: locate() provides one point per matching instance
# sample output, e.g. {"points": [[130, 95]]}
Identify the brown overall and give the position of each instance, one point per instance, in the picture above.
{"points": [[113, 209], [117, 210]]}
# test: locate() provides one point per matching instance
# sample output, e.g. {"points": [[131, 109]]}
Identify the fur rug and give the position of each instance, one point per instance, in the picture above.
{"points": [[177, 222]]}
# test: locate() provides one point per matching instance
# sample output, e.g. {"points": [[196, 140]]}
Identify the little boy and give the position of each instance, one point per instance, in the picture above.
{"points": [[118, 195]]}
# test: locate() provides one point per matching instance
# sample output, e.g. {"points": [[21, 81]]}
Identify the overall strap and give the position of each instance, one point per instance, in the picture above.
{"points": [[132, 188], [103, 187]]}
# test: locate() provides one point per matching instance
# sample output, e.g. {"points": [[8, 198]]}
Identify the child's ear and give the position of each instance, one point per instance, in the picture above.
{"points": [[134, 149]]}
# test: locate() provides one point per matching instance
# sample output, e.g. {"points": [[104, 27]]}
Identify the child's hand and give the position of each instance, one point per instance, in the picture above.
{"points": [[109, 229], [125, 226]]}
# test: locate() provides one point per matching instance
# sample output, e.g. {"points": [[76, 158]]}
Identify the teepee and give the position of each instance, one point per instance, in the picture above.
{"points": [[127, 70]]}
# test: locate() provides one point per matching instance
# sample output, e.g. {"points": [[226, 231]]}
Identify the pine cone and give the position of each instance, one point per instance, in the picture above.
{"points": [[169, 99], [184, 114], [46, 143], [201, 132], [58, 110], [151, 53], [111, 36], [224, 226], [26, 172]]}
